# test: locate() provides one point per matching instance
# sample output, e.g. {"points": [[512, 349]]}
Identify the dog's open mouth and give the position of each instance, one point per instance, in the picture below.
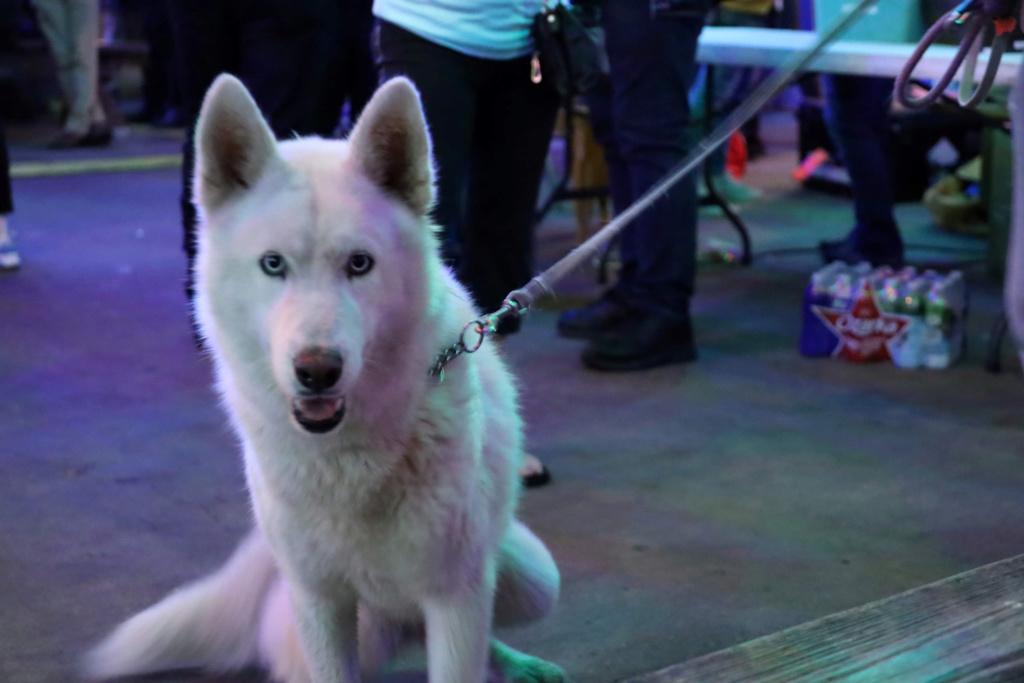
{"points": [[318, 415]]}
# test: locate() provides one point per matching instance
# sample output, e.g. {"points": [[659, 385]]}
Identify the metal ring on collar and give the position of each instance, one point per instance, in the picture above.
{"points": [[481, 332]]}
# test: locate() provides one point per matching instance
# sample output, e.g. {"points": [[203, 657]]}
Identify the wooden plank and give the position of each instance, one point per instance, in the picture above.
{"points": [[772, 47], [968, 627]]}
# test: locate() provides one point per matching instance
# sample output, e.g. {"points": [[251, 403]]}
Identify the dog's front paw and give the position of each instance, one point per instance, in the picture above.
{"points": [[511, 666]]}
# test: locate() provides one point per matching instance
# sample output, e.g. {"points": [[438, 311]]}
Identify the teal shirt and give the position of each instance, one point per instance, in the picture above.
{"points": [[491, 29]]}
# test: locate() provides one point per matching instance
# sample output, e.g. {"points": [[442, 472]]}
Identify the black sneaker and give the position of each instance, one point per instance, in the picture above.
{"points": [[99, 135], [644, 340], [843, 250], [599, 317], [66, 140]]}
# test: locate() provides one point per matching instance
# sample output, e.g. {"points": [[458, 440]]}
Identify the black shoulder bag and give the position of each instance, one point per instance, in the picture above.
{"points": [[566, 58]]}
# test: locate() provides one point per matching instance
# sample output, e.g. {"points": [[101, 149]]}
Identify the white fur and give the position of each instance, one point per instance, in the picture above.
{"points": [[402, 514]]}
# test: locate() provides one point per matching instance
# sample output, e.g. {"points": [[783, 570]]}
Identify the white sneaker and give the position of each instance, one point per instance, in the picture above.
{"points": [[9, 259]]}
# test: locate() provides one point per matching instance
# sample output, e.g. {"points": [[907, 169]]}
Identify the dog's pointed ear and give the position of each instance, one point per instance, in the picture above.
{"points": [[391, 145], [233, 142]]}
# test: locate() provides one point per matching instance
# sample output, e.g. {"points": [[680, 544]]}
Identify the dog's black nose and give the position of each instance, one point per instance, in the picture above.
{"points": [[318, 369]]}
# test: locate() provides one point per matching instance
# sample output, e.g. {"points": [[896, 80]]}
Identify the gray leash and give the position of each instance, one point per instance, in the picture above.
{"points": [[519, 301]]}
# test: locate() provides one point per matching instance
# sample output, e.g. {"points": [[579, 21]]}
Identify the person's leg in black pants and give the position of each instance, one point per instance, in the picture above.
{"points": [[204, 46], [490, 128], [599, 109], [274, 46], [283, 56], [447, 82], [610, 308], [511, 137], [652, 69], [351, 74], [6, 201], [9, 259], [332, 91], [361, 76], [464, 104], [858, 109]]}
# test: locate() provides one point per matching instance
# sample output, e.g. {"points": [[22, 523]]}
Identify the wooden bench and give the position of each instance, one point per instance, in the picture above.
{"points": [[966, 628]]}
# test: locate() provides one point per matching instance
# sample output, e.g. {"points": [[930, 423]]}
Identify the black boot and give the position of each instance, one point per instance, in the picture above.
{"points": [[642, 340], [854, 250], [595, 319]]}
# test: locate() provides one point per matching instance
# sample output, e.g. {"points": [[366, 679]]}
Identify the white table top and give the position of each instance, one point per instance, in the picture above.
{"points": [[772, 47]]}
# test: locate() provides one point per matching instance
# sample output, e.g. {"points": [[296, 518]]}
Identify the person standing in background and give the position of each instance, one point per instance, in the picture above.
{"points": [[352, 75], [9, 259], [490, 126], [858, 117], [643, 321], [71, 28], [278, 48]]}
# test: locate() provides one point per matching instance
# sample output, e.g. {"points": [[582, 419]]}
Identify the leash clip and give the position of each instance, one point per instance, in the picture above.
{"points": [[481, 331], [482, 328]]}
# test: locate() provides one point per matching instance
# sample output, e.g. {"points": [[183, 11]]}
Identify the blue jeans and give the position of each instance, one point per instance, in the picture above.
{"points": [[858, 115], [641, 119]]}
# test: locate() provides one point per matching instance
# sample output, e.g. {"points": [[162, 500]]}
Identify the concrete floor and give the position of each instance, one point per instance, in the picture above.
{"points": [[693, 507]]}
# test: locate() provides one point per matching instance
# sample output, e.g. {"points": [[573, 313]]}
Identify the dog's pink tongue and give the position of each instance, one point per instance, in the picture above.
{"points": [[320, 408]]}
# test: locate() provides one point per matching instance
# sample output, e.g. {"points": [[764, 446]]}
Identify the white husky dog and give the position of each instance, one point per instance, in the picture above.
{"points": [[377, 491]]}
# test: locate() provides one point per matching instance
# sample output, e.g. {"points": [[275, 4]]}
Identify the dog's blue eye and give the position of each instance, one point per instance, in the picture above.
{"points": [[359, 263], [272, 264]]}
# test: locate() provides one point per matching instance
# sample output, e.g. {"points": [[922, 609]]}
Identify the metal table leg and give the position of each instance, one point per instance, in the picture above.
{"points": [[714, 198]]}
